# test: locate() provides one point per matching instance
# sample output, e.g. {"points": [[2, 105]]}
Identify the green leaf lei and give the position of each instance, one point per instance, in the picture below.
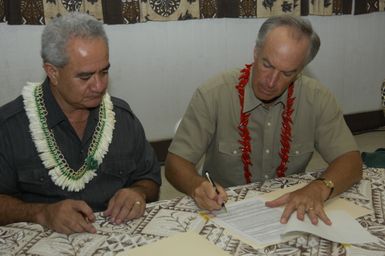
{"points": [[53, 159]]}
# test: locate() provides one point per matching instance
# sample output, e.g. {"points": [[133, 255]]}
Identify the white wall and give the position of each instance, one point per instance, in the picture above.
{"points": [[156, 66]]}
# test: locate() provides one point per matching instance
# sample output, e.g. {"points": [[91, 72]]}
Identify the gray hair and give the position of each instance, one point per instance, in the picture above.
{"points": [[56, 35], [301, 25]]}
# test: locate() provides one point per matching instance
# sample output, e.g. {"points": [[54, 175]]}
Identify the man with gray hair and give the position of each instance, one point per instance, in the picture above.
{"points": [[265, 121], [67, 148]]}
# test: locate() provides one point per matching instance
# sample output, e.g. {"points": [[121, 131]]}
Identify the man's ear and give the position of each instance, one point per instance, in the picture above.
{"points": [[52, 73]]}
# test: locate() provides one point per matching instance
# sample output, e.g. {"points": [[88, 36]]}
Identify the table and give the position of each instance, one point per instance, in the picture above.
{"points": [[167, 217]]}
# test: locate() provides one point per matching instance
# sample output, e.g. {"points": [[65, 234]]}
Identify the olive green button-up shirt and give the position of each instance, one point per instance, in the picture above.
{"points": [[210, 127]]}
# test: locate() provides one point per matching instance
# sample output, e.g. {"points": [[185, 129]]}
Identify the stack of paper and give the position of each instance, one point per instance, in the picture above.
{"points": [[252, 220]]}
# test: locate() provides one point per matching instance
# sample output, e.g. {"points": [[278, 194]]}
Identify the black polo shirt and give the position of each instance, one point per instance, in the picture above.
{"points": [[22, 174]]}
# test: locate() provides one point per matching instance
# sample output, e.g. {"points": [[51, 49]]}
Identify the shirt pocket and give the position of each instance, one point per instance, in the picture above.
{"points": [[226, 165], [118, 169], [35, 180], [230, 149], [299, 157]]}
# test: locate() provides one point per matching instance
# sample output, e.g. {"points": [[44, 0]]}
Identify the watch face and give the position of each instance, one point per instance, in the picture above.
{"points": [[329, 183]]}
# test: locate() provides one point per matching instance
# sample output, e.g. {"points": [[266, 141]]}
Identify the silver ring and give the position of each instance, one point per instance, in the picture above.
{"points": [[310, 209], [138, 203]]}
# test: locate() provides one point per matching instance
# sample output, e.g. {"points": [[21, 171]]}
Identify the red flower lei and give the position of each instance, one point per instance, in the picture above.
{"points": [[245, 134]]}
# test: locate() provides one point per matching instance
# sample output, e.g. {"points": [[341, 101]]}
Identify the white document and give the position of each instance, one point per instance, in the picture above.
{"points": [[335, 203], [250, 218], [255, 222], [344, 228]]}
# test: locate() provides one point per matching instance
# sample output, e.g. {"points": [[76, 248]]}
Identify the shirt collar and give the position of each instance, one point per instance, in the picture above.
{"points": [[55, 114]]}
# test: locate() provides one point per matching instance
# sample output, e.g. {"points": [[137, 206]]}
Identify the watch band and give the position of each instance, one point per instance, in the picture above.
{"points": [[329, 184]]}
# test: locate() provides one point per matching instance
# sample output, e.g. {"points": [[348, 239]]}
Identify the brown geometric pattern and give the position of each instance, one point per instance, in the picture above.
{"points": [[2, 11], [342, 7], [133, 11], [17, 12], [321, 7], [208, 9], [54, 8], [168, 217], [247, 8], [121, 12], [161, 10], [32, 12], [366, 6], [268, 8], [381, 6], [228, 9]]}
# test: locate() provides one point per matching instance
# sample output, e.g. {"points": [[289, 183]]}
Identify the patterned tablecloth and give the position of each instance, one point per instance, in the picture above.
{"points": [[168, 217]]}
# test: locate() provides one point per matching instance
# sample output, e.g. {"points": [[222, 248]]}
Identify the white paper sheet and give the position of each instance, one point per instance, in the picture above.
{"points": [[344, 228], [255, 222], [333, 204], [251, 219]]}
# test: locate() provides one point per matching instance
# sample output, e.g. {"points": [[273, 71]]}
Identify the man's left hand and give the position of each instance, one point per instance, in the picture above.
{"points": [[307, 200], [126, 204]]}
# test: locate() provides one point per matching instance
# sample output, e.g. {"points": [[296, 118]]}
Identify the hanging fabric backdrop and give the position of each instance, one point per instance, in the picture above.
{"points": [[133, 11]]}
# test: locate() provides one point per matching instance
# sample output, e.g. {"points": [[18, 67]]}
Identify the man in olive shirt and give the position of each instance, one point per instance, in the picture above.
{"points": [[265, 121]]}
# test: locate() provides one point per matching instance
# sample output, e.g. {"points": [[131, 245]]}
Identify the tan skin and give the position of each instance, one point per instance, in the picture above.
{"points": [[276, 65], [183, 176], [78, 86]]}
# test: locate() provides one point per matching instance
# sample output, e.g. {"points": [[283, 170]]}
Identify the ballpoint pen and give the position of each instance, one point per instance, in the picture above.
{"points": [[215, 187]]}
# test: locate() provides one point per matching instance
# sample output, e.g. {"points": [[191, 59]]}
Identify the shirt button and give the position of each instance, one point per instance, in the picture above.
{"points": [[234, 152], [120, 172], [268, 124], [41, 179], [266, 176], [267, 151], [296, 152]]}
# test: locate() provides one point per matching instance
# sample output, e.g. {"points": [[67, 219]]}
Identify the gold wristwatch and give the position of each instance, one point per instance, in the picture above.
{"points": [[329, 184]]}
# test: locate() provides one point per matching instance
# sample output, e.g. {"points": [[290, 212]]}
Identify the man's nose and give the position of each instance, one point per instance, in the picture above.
{"points": [[99, 83], [273, 78]]}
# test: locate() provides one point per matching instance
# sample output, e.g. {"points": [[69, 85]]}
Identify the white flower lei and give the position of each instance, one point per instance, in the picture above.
{"points": [[51, 156]]}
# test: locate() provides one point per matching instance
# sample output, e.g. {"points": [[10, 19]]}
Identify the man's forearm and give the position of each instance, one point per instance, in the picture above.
{"points": [[344, 171], [182, 174], [14, 210], [148, 188]]}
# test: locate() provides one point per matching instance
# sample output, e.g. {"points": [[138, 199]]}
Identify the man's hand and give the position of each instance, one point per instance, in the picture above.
{"points": [[68, 216], [183, 175], [307, 200], [206, 197], [126, 204]]}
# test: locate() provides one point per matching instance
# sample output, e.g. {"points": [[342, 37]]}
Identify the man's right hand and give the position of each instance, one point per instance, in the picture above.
{"points": [[67, 217], [206, 196], [185, 178]]}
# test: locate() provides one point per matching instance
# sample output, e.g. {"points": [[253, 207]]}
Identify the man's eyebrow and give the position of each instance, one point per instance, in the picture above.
{"points": [[283, 71], [289, 71], [85, 74], [91, 73], [268, 62], [107, 67]]}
